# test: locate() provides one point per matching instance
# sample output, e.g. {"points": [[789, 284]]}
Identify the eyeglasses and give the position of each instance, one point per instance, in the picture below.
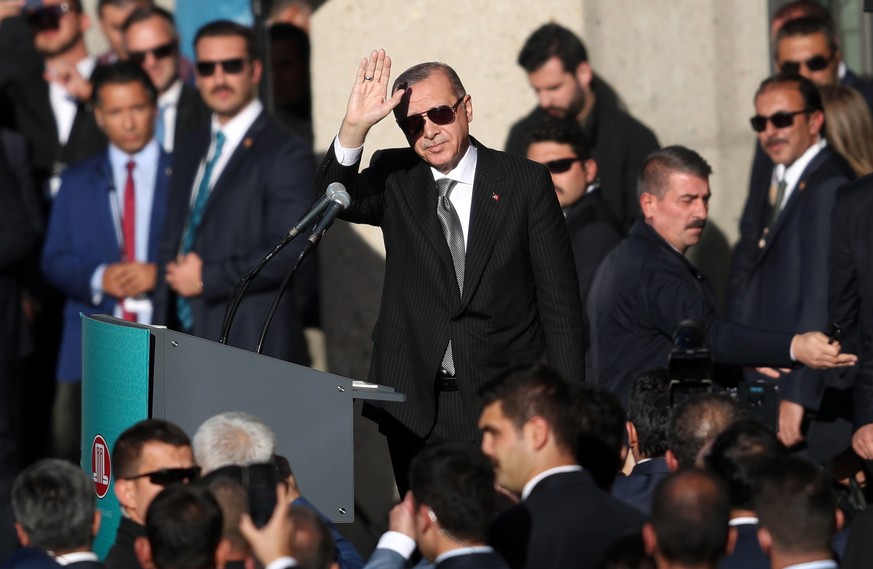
{"points": [[442, 115], [232, 66], [817, 63], [781, 119], [47, 17], [159, 52], [562, 165], [167, 476]]}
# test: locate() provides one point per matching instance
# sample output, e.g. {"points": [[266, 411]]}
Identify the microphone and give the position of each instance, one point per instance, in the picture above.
{"points": [[317, 209], [338, 204]]}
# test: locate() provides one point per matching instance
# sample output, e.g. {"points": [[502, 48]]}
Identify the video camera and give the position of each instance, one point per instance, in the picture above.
{"points": [[691, 373]]}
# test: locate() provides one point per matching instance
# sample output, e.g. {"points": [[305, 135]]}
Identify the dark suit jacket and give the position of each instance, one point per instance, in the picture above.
{"points": [[619, 145], [122, 554], [863, 86], [192, 114], [641, 292], [82, 236], [594, 232], [489, 560], [747, 553], [33, 117], [850, 297], [518, 303], [265, 186], [567, 521], [777, 276], [637, 488]]}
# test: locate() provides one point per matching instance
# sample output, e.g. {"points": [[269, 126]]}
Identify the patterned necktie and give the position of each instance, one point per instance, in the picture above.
{"points": [[128, 227], [183, 307], [454, 234], [780, 195]]}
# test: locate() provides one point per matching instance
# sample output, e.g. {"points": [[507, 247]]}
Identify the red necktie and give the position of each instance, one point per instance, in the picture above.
{"points": [[128, 226]]}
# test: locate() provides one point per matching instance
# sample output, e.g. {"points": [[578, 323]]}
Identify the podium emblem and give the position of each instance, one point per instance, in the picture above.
{"points": [[101, 466]]}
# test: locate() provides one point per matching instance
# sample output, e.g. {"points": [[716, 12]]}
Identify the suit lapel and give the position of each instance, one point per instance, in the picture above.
{"points": [[159, 204], [490, 199], [105, 191]]}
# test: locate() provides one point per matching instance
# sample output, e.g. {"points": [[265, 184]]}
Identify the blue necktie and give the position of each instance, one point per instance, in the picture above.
{"points": [[183, 307]]}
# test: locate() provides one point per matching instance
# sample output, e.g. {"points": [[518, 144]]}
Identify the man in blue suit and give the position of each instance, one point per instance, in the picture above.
{"points": [[105, 227]]}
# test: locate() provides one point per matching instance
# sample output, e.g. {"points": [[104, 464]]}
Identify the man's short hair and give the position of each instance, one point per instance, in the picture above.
{"points": [[811, 96], [53, 500], [534, 391], [649, 411], [184, 526], [552, 40], [660, 164], [233, 439], [808, 8], [802, 27], [561, 131], [121, 73], [696, 421], [128, 448], [313, 544], [600, 432], [456, 482], [736, 455], [226, 28], [234, 502], [421, 71], [119, 4], [795, 503], [690, 514], [147, 12]]}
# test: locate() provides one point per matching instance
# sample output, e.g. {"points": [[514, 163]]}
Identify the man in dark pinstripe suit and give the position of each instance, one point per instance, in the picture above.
{"points": [[479, 276]]}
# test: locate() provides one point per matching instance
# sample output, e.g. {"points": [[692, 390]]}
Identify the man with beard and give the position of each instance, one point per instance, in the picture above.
{"points": [[558, 70], [236, 184], [780, 262], [646, 287]]}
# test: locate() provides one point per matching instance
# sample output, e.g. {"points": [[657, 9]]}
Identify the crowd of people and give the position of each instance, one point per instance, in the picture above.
{"points": [[141, 184]]}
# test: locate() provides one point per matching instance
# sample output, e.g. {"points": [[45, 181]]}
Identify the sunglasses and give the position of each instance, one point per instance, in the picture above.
{"points": [[562, 165], [47, 17], [781, 119], [167, 476], [160, 52], [442, 115], [817, 63], [232, 66]]}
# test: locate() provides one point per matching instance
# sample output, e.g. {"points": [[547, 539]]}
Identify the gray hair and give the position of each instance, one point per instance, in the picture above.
{"points": [[421, 71], [659, 165], [53, 500], [232, 439]]}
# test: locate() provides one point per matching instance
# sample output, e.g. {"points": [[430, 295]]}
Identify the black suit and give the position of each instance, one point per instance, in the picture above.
{"points": [[641, 293], [747, 553], [777, 273], [594, 232], [192, 114], [567, 521], [637, 488], [518, 302], [484, 560], [850, 296], [122, 554], [264, 187], [619, 144]]}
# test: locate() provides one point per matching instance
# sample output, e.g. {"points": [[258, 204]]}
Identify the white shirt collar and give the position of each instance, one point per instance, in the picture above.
{"points": [[147, 155], [822, 564], [235, 129], [528, 488], [743, 521], [75, 557], [462, 551], [791, 174], [170, 97]]}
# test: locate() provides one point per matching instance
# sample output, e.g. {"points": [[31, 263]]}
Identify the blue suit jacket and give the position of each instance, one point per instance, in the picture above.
{"points": [[637, 488], [81, 236]]}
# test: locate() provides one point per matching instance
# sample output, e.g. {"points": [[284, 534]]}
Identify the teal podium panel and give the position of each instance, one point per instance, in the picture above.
{"points": [[115, 395]]}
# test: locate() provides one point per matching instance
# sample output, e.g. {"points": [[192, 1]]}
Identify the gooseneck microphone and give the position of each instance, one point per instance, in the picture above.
{"points": [[317, 209]]}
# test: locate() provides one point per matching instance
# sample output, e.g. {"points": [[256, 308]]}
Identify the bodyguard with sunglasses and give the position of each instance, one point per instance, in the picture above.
{"points": [[236, 183], [479, 272], [779, 269]]}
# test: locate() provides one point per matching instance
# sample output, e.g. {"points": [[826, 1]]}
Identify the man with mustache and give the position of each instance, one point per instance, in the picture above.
{"points": [[780, 266], [645, 287], [237, 185]]}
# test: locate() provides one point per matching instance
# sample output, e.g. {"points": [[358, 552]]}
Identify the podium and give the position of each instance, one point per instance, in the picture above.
{"points": [[133, 372]]}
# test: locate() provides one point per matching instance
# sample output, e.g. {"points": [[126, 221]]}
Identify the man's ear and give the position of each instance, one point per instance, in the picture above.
{"points": [[125, 493], [732, 541], [650, 540], [584, 74], [840, 519], [765, 540], [538, 431], [647, 201], [143, 550], [222, 553], [23, 538], [95, 524], [672, 462]]}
